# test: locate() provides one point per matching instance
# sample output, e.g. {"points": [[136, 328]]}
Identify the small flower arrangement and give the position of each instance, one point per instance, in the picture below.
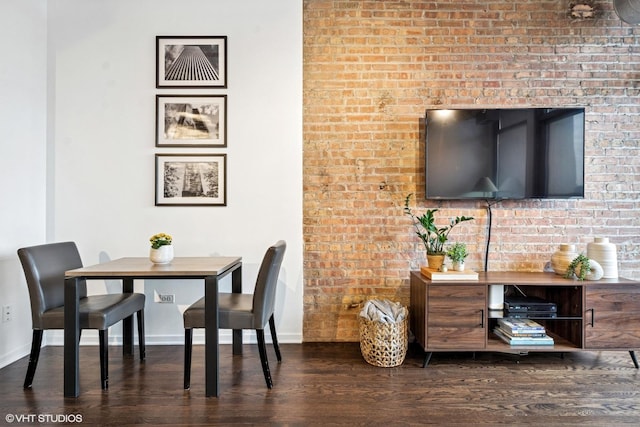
{"points": [[160, 239]]}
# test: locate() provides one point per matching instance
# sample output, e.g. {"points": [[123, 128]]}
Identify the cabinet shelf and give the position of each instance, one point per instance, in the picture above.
{"points": [[560, 345], [493, 314]]}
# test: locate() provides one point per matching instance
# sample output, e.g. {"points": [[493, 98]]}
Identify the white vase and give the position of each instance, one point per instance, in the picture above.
{"points": [[595, 270], [604, 253], [162, 255], [458, 265], [561, 258]]}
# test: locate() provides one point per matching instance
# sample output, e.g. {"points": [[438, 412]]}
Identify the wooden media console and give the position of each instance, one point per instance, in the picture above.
{"points": [[449, 316]]}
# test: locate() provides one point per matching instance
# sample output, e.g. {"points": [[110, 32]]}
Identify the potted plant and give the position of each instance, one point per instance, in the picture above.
{"points": [[161, 251], [432, 236], [457, 253]]}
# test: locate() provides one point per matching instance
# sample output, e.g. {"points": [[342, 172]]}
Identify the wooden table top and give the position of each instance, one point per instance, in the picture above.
{"points": [[143, 267]]}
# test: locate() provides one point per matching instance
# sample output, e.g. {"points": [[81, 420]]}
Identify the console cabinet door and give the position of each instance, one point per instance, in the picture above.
{"points": [[612, 317], [456, 317]]}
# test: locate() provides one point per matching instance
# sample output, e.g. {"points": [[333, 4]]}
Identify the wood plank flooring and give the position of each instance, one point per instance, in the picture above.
{"points": [[331, 384]]}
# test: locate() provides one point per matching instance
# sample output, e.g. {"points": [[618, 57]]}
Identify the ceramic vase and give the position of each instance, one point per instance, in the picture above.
{"points": [[605, 254], [561, 258], [162, 255], [595, 270], [458, 265]]}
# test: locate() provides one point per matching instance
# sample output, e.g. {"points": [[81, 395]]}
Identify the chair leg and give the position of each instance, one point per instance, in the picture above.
{"points": [[262, 347], [36, 343], [104, 358], [141, 342], [188, 341], [274, 338]]}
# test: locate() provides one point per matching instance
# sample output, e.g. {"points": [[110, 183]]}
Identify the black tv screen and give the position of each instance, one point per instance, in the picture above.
{"points": [[525, 153]]}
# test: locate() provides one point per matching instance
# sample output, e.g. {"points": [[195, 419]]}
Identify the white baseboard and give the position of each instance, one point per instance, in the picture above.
{"points": [[248, 337], [15, 354]]}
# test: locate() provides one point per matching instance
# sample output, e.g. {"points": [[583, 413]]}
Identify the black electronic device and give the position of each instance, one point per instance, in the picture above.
{"points": [[532, 314], [522, 304]]}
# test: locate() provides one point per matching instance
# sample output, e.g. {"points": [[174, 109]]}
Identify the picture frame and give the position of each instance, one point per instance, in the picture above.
{"points": [[191, 180], [191, 121], [191, 61]]}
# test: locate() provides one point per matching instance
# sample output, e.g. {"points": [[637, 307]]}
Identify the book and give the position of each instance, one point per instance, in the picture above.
{"points": [[530, 341], [516, 334], [434, 274], [520, 325]]}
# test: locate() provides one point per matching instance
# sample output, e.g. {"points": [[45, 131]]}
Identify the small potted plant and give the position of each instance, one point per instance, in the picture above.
{"points": [[457, 254], [161, 248], [432, 236]]}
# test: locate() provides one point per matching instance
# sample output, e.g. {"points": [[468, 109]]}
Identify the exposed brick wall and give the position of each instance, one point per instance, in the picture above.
{"points": [[371, 68]]}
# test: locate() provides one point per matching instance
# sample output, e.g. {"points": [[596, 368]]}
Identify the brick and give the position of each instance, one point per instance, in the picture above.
{"points": [[371, 68]]}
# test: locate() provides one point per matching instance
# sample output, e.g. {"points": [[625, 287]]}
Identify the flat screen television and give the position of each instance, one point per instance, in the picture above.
{"points": [[497, 154]]}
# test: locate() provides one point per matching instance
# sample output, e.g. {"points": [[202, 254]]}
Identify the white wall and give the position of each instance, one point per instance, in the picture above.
{"points": [[101, 135], [104, 142], [23, 80]]}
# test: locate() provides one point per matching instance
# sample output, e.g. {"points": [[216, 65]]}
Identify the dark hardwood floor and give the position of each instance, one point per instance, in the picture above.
{"points": [[331, 384]]}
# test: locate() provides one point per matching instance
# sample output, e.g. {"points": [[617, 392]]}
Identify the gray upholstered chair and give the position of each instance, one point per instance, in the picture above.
{"points": [[242, 311], [44, 267]]}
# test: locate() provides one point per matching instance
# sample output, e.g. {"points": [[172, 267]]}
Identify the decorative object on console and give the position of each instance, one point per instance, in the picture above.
{"points": [[583, 268], [432, 236], [161, 251], [561, 258], [604, 253], [458, 253], [496, 297], [436, 275]]}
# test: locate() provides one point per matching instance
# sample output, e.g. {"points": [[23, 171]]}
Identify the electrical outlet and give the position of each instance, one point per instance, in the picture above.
{"points": [[7, 314], [168, 298]]}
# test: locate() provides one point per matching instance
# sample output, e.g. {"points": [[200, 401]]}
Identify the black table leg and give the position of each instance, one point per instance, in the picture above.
{"points": [[634, 359], [211, 349], [71, 338], [236, 287], [127, 322]]}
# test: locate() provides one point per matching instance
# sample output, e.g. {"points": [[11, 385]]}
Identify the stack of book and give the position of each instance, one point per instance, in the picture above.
{"points": [[522, 332]]}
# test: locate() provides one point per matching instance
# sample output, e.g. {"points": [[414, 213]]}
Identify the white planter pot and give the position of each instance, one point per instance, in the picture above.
{"points": [[162, 255], [458, 265]]}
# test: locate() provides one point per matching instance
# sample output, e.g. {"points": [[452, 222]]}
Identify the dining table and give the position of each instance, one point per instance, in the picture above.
{"points": [[209, 269]]}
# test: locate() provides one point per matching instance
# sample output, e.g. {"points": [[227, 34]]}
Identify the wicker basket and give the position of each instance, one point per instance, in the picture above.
{"points": [[383, 344]]}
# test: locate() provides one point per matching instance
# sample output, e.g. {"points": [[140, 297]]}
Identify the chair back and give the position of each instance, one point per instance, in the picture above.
{"points": [[44, 267], [264, 294]]}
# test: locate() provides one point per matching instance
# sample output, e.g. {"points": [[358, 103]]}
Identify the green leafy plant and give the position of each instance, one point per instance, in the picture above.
{"points": [[579, 268], [457, 252], [432, 236], [160, 239]]}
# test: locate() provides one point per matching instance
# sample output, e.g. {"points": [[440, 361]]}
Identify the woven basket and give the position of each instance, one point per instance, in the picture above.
{"points": [[383, 344]]}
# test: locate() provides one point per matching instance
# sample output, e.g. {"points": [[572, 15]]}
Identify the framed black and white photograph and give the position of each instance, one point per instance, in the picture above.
{"points": [[187, 61], [191, 121], [191, 180]]}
